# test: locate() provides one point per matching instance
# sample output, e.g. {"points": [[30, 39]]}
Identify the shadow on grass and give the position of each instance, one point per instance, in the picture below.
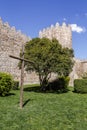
{"points": [[32, 89], [9, 94], [38, 90], [25, 103], [79, 92]]}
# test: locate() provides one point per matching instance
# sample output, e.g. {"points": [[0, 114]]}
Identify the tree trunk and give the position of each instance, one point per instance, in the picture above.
{"points": [[44, 84]]}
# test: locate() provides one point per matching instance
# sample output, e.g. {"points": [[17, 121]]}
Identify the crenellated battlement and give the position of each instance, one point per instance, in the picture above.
{"points": [[11, 32], [62, 33]]}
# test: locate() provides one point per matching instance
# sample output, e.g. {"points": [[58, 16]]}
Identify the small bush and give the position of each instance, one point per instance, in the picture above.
{"points": [[60, 84], [80, 85], [6, 83], [15, 85], [84, 76]]}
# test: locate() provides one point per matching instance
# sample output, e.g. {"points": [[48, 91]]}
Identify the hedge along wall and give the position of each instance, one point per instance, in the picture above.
{"points": [[80, 85]]}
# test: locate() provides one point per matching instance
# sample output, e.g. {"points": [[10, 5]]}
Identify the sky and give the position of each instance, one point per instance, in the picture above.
{"points": [[31, 16]]}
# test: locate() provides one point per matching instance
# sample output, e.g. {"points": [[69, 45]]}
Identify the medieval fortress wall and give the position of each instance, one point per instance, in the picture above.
{"points": [[11, 43]]}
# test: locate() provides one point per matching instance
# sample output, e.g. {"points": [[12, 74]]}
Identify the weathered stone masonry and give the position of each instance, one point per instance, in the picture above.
{"points": [[11, 42], [62, 33]]}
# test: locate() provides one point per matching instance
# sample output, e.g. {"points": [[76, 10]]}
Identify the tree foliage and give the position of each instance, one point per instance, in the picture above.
{"points": [[48, 56]]}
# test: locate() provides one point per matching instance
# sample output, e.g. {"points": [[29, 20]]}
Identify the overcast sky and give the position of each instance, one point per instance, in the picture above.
{"points": [[31, 16]]}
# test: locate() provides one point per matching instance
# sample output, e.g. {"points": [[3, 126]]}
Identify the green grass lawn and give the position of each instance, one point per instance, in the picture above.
{"points": [[44, 111]]}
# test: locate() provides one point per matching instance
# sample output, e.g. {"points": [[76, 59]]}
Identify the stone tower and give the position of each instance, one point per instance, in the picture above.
{"points": [[62, 33]]}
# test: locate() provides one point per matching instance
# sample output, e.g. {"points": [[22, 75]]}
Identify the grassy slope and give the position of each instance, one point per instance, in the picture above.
{"points": [[48, 111]]}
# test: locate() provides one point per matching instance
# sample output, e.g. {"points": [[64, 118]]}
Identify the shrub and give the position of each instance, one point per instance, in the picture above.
{"points": [[15, 85], [80, 85], [6, 83], [60, 84], [84, 76]]}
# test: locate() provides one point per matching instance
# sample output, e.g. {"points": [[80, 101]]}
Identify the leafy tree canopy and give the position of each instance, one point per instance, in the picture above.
{"points": [[48, 56]]}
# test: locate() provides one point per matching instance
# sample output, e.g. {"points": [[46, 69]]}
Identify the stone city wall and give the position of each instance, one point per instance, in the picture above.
{"points": [[11, 43]]}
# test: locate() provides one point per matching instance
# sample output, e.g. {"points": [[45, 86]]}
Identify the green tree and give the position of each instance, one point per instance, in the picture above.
{"points": [[48, 56]]}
